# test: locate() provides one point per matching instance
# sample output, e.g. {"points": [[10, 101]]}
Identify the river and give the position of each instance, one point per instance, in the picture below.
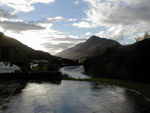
{"points": [[74, 71], [71, 97]]}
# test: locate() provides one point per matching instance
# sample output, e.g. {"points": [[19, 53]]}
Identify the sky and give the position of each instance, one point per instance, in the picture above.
{"points": [[55, 25]]}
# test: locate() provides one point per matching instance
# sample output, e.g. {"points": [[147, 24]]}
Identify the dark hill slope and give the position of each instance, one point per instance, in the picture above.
{"points": [[16, 52], [129, 62]]}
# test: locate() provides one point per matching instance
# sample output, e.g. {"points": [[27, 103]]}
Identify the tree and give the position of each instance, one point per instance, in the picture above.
{"points": [[1, 35], [139, 38], [146, 35]]}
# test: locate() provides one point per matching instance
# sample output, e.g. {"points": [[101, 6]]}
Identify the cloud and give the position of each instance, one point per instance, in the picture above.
{"points": [[6, 14], [88, 33], [54, 48], [72, 19], [10, 21], [83, 25], [112, 33], [57, 46], [55, 19], [118, 35], [114, 13], [19, 26], [68, 39], [23, 5]]}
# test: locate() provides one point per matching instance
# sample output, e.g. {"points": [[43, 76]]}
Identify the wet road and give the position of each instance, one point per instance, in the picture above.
{"points": [[70, 97]]}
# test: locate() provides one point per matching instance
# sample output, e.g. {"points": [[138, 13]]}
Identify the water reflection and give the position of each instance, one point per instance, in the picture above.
{"points": [[74, 71], [76, 97]]}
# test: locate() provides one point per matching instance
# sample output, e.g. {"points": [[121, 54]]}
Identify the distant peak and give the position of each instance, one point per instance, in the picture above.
{"points": [[94, 37]]}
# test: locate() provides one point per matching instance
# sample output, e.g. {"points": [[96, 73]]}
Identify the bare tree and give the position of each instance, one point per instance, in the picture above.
{"points": [[1, 34], [139, 38], [146, 35]]}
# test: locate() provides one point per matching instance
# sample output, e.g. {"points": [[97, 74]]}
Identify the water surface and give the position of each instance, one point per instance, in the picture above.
{"points": [[69, 96], [74, 97], [74, 71]]}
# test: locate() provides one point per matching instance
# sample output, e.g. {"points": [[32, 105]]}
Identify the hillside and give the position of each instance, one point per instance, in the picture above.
{"points": [[92, 47], [20, 54], [129, 62]]}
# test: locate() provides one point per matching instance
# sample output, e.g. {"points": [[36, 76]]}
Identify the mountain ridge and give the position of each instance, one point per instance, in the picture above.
{"points": [[93, 46]]}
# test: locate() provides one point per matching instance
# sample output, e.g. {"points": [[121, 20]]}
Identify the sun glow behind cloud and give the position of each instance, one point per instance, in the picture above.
{"points": [[27, 40]]}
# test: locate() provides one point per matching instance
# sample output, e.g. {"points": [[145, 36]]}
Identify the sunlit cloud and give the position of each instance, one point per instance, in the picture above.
{"points": [[55, 19], [72, 19], [23, 5], [54, 48], [88, 33], [114, 13], [115, 33], [84, 24]]}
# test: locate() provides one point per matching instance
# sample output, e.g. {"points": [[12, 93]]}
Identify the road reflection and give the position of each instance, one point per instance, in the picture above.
{"points": [[74, 97]]}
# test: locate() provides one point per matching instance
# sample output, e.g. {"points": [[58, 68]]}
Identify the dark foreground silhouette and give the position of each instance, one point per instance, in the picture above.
{"points": [[128, 62], [46, 76]]}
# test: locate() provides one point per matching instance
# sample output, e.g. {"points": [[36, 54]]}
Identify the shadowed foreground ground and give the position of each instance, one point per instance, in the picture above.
{"points": [[69, 97]]}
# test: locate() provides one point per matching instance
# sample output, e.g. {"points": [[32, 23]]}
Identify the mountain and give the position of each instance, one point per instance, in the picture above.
{"points": [[127, 62], [14, 51], [92, 47]]}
